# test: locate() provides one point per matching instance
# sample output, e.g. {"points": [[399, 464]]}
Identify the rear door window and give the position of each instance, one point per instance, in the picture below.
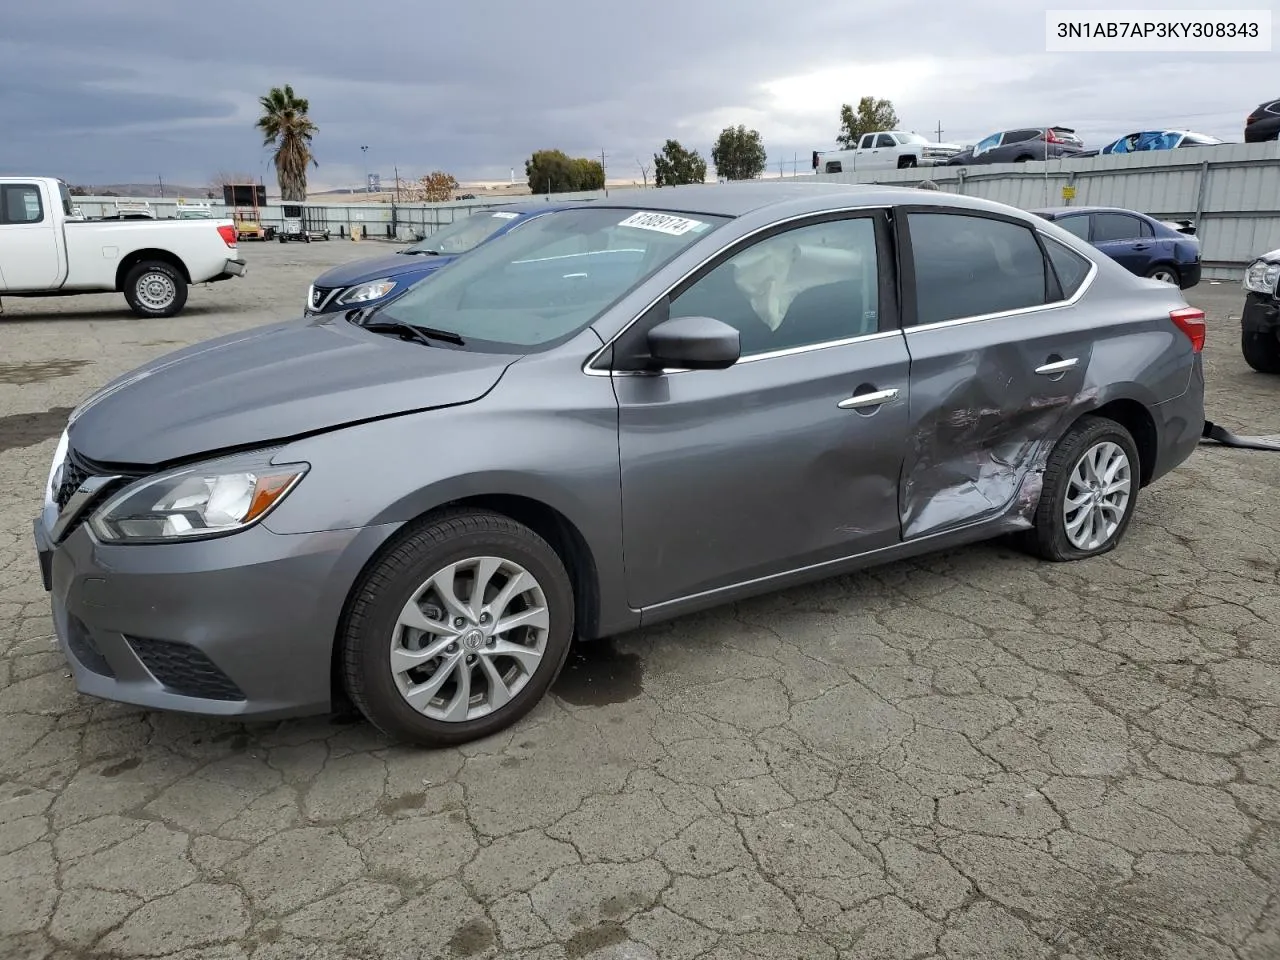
{"points": [[971, 266], [1109, 227], [1076, 223]]}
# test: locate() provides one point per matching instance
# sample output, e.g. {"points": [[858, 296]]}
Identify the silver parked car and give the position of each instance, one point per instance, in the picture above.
{"points": [[624, 411]]}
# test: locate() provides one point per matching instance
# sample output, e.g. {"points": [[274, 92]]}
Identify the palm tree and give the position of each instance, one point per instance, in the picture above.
{"points": [[285, 125]]}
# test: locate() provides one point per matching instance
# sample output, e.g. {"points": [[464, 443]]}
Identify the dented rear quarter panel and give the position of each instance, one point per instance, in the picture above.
{"points": [[983, 422]]}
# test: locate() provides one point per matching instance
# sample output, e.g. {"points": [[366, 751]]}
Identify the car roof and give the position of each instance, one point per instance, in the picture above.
{"points": [[738, 198]]}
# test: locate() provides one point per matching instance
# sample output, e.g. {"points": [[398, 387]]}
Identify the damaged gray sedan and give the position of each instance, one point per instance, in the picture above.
{"points": [[624, 411]]}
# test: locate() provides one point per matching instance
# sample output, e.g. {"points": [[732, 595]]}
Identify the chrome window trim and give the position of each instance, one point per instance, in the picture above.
{"points": [[767, 355], [588, 365], [591, 370]]}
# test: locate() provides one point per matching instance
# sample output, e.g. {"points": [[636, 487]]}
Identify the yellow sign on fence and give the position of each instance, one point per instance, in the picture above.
{"points": [[1068, 193]]}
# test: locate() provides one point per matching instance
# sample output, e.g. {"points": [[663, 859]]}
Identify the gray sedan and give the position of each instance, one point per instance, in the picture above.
{"points": [[624, 411]]}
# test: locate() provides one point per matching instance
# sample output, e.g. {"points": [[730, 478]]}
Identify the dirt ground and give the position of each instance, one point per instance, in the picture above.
{"points": [[970, 755]]}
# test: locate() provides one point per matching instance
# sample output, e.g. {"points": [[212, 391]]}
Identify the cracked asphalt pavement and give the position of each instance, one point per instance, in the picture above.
{"points": [[968, 756]]}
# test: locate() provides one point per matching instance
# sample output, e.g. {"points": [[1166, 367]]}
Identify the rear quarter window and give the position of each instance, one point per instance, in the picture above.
{"points": [[1070, 267]]}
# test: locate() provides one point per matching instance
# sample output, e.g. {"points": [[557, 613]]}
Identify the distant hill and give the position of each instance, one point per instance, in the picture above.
{"points": [[148, 191]]}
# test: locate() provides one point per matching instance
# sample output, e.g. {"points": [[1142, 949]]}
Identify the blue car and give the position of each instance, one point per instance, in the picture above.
{"points": [[1148, 140], [379, 280], [1141, 244]]}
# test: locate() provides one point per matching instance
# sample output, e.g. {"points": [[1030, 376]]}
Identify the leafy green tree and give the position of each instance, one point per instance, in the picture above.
{"points": [[739, 153], [870, 116], [554, 171], [675, 166], [285, 125]]}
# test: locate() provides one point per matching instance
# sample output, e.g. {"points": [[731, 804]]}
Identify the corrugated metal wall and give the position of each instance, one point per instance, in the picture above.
{"points": [[1231, 191]]}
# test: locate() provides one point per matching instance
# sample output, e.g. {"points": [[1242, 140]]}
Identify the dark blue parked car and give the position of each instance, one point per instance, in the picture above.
{"points": [[1141, 244], [379, 280]]}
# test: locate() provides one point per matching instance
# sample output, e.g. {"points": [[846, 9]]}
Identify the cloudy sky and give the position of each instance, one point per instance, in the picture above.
{"points": [[114, 91]]}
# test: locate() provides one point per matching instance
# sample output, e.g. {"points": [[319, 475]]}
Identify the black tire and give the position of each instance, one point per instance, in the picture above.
{"points": [[381, 594], [905, 163], [154, 288], [1048, 539], [1261, 351], [1169, 268], [1023, 159], [306, 237], [282, 238]]}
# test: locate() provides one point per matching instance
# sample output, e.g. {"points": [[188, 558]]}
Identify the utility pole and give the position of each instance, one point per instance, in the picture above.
{"points": [[605, 171], [160, 177], [939, 131], [364, 152]]}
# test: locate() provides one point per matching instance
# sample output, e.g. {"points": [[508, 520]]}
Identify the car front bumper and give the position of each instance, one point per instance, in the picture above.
{"points": [[237, 626], [1261, 314]]}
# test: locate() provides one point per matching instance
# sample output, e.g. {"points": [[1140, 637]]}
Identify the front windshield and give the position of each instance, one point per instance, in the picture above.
{"points": [[539, 285], [911, 138], [463, 235]]}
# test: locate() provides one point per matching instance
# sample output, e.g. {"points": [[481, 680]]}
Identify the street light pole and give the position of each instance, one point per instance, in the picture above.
{"points": [[364, 151]]}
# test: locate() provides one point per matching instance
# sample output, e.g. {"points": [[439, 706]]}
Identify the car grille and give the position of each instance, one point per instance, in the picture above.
{"points": [[75, 471], [319, 297], [184, 670]]}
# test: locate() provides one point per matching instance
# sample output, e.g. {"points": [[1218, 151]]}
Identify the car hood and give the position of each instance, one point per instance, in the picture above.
{"points": [[375, 268], [1271, 256], [269, 384]]}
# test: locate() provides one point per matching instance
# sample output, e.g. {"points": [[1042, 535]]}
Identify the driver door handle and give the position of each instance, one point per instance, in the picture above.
{"points": [[1059, 366], [859, 400]]}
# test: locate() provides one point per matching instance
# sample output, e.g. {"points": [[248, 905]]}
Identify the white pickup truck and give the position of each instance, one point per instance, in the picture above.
{"points": [[46, 251], [885, 150]]}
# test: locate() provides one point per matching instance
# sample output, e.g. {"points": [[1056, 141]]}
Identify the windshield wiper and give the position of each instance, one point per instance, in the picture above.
{"points": [[411, 331]]}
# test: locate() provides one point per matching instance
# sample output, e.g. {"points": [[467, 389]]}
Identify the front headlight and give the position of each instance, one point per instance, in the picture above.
{"points": [[364, 292], [1261, 277], [196, 502]]}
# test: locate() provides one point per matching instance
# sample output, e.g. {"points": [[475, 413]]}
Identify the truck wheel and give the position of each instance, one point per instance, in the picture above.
{"points": [[905, 163], [1261, 351], [155, 289]]}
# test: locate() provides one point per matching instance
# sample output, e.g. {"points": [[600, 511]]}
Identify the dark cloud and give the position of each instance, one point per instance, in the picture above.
{"points": [[164, 88]]}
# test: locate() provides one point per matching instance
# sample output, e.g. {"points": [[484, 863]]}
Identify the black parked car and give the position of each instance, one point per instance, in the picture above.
{"points": [[1264, 123], [1021, 145]]}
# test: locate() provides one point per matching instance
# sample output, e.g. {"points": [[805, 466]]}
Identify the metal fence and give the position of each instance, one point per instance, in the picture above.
{"points": [[1232, 192], [392, 221]]}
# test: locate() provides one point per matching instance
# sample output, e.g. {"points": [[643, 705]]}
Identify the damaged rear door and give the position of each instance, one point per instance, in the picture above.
{"points": [[998, 354]]}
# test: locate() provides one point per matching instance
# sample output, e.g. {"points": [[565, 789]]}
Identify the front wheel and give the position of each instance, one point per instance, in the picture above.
{"points": [[155, 289], [1261, 351], [458, 631], [1089, 493]]}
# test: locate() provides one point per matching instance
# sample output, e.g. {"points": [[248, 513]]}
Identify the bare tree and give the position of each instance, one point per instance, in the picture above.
{"points": [[224, 179]]}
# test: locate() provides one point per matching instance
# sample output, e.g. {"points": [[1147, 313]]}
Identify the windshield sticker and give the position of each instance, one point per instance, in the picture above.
{"points": [[663, 223], [506, 215]]}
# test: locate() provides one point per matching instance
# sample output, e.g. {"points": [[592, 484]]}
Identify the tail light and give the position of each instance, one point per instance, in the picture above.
{"points": [[1191, 322], [228, 234]]}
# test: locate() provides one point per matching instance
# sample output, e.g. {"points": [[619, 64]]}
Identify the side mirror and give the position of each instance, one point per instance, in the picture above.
{"points": [[694, 343]]}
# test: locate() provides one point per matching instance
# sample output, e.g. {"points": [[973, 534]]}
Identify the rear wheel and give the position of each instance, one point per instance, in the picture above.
{"points": [[1261, 351], [155, 289], [905, 163], [458, 631], [1023, 159], [1089, 494], [1165, 274]]}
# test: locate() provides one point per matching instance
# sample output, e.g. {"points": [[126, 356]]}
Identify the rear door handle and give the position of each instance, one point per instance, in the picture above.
{"points": [[861, 400], [1058, 366], [1141, 246]]}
